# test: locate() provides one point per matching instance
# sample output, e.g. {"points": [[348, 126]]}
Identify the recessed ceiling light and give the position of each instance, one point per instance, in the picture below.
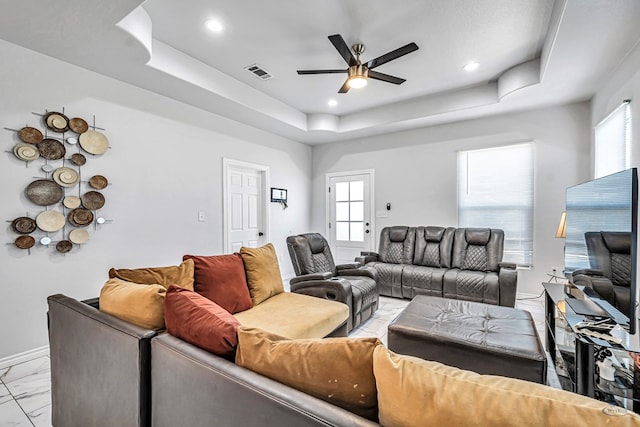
{"points": [[332, 103], [214, 25], [471, 66]]}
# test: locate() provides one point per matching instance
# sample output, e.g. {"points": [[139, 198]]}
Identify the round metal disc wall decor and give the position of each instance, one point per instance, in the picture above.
{"points": [[30, 135], [78, 125], [23, 225], [44, 192], [78, 159], [51, 149], [98, 182], [56, 122], [92, 200], [26, 152], [94, 142], [66, 203], [80, 217], [25, 242]]}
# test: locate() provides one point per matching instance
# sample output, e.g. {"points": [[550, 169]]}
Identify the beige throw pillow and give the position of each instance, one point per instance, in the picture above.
{"points": [[180, 275], [417, 392], [142, 305], [337, 370], [263, 272]]}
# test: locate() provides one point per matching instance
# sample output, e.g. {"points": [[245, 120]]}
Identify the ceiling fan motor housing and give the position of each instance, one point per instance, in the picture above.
{"points": [[359, 70]]}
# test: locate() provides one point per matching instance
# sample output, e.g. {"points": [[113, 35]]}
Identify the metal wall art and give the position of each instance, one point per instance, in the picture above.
{"points": [[67, 204]]}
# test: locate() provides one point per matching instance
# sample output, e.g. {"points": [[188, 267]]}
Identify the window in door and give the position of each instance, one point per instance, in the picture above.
{"points": [[350, 211]]}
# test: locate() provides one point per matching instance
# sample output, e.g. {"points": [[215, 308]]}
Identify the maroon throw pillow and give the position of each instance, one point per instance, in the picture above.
{"points": [[200, 321], [221, 278]]}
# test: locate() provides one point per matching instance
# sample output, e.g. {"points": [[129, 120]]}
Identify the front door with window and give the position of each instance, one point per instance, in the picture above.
{"points": [[350, 226]]}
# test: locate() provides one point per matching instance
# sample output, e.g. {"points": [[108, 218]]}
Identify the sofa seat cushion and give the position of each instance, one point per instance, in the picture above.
{"points": [[295, 316], [388, 277], [421, 280], [181, 275], [222, 279], [346, 381], [140, 304], [200, 321], [416, 392], [471, 285]]}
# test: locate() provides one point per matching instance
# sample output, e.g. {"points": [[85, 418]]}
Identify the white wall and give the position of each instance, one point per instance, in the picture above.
{"points": [[165, 165], [416, 171]]}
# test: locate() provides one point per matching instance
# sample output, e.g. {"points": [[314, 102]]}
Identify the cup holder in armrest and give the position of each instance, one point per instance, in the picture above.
{"points": [[331, 296]]}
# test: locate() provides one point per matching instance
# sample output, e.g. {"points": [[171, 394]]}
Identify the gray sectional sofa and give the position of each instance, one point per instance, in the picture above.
{"points": [[463, 263]]}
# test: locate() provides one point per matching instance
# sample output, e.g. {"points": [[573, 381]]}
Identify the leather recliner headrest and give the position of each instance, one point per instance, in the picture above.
{"points": [[398, 233], [316, 243], [619, 243], [433, 234], [477, 236]]}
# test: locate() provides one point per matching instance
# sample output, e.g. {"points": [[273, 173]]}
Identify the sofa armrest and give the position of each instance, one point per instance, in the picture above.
{"points": [[508, 282], [361, 271], [325, 275], [366, 257], [226, 395], [100, 366], [348, 266], [588, 272]]}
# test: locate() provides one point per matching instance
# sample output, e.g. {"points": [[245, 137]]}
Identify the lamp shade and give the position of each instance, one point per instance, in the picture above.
{"points": [[561, 232]]}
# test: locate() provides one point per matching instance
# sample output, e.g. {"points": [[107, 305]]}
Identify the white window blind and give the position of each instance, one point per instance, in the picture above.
{"points": [[495, 190], [612, 142]]}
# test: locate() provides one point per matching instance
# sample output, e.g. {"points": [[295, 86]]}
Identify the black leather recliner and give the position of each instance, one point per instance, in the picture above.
{"points": [[610, 272], [317, 275]]}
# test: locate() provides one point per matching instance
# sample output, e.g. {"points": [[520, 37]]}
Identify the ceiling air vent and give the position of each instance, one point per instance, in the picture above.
{"points": [[258, 72]]}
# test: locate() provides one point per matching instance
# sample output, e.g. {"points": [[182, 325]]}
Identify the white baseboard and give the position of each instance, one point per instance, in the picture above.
{"points": [[25, 356]]}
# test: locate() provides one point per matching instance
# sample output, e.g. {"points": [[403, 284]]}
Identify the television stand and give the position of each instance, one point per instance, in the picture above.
{"points": [[575, 355]]}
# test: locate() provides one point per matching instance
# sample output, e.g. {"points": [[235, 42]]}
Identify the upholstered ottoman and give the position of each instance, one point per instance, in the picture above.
{"points": [[484, 338]]}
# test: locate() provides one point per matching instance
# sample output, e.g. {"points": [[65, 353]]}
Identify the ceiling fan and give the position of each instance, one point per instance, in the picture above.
{"points": [[359, 72]]}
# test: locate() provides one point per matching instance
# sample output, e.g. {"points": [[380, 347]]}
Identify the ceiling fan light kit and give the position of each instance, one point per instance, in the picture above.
{"points": [[358, 73]]}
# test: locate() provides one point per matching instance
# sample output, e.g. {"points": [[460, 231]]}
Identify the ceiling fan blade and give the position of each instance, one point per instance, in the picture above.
{"points": [[386, 77], [390, 56], [341, 46], [345, 87], [301, 72]]}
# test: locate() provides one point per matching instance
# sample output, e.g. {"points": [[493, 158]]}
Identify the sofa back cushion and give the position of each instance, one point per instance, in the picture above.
{"points": [[263, 272], [181, 275], [140, 304], [337, 370], [200, 321], [417, 392], [310, 253], [478, 249], [221, 279], [433, 247], [396, 244]]}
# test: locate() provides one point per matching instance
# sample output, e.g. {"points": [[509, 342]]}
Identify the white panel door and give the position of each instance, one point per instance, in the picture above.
{"points": [[350, 227], [245, 201]]}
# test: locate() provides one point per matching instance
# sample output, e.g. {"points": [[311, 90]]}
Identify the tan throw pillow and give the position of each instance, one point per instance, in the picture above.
{"points": [[337, 370], [263, 272], [180, 275], [417, 392], [142, 305]]}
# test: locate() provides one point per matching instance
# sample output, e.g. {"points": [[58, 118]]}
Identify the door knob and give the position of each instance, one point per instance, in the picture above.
{"points": [[260, 233], [366, 231], [366, 223]]}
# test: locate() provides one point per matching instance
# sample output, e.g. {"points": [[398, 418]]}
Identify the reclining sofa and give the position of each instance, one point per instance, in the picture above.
{"points": [[463, 263]]}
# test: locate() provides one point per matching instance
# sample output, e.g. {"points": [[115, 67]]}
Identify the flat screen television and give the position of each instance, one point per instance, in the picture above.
{"points": [[606, 204]]}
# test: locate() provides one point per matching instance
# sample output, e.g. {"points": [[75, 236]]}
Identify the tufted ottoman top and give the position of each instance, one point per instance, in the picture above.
{"points": [[469, 335]]}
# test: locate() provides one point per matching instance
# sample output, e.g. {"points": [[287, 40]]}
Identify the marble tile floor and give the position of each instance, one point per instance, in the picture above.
{"points": [[25, 389]]}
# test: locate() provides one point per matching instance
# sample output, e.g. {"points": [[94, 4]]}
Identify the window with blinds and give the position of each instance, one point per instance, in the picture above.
{"points": [[612, 142], [495, 190]]}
